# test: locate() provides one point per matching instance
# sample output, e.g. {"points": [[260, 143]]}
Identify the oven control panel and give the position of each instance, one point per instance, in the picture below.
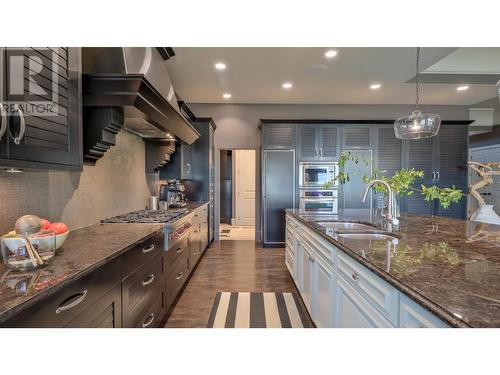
{"points": [[179, 232]]}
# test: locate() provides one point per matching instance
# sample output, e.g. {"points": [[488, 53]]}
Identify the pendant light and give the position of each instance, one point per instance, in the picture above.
{"points": [[417, 125]]}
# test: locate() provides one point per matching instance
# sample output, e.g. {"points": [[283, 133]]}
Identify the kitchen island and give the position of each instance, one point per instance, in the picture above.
{"points": [[429, 271]]}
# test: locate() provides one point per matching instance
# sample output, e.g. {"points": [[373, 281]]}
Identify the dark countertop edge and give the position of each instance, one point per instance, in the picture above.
{"points": [[7, 314], [420, 299]]}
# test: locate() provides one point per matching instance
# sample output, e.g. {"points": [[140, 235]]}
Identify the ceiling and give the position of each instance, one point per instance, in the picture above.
{"points": [[255, 75]]}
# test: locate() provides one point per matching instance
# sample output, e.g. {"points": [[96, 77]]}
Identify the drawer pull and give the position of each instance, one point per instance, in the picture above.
{"points": [[355, 276], [149, 320], [76, 302], [148, 280], [179, 276], [179, 250], [148, 249]]}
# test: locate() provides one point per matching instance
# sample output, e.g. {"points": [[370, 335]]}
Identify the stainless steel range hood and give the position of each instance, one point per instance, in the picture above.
{"points": [[137, 80]]}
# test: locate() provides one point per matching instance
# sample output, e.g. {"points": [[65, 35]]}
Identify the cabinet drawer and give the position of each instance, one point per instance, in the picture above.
{"points": [[153, 315], [72, 301], [380, 294], [106, 312], [195, 250], [176, 279], [412, 315], [141, 289], [140, 254], [181, 250], [353, 310]]}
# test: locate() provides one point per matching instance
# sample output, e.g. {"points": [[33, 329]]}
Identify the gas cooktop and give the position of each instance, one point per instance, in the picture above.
{"points": [[145, 216]]}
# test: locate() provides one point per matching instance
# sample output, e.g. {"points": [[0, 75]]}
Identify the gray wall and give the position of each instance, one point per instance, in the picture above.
{"points": [[237, 125], [116, 184]]}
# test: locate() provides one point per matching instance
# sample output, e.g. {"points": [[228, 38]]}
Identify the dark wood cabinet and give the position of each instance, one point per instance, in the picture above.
{"points": [[141, 291], [318, 142], [94, 298], [279, 136], [42, 87], [443, 159]]}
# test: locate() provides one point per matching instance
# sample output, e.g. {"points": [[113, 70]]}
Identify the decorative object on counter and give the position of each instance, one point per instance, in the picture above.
{"points": [[418, 125], [402, 183], [485, 212], [33, 243]]}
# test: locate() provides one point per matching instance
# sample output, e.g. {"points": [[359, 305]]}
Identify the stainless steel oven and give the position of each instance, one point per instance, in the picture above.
{"points": [[319, 201], [316, 174]]}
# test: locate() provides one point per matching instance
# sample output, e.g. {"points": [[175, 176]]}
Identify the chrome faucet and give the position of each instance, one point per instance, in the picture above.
{"points": [[389, 215]]}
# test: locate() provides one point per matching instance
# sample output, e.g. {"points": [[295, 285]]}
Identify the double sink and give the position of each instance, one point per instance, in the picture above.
{"points": [[357, 231]]}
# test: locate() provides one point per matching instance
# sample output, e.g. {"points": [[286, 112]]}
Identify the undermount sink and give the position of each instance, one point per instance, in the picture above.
{"points": [[368, 236], [344, 225]]}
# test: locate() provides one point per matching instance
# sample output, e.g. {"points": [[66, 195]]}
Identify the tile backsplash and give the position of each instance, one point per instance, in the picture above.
{"points": [[115, 185]]}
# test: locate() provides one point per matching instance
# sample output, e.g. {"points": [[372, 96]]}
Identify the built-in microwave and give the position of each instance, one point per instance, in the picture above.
{"points": [[317, 174]]}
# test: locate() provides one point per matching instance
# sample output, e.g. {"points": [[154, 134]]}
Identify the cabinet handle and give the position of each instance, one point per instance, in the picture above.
{"points": [[149, 320], [438, 175], [433, 176], [355, 276], [315, 152], [179, 250], [76, 302], [148, 280], [3, 120], [22, 126], [321, 152], [148, 249], [179, 276]]}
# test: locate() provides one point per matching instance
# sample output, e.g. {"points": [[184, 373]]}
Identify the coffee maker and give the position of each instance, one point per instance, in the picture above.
{"points": [[173, 193]]}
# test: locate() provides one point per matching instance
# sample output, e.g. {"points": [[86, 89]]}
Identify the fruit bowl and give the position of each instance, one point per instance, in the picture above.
{"points": [[12, 242]]}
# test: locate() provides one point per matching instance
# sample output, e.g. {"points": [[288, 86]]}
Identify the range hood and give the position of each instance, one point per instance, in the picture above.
{"points": [[136, 81]]}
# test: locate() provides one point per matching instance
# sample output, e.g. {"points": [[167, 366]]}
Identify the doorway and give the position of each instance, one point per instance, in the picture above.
{"points": [[237, 194]]}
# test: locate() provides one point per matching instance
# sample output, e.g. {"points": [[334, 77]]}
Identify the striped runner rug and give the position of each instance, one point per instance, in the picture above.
{"points": [[257, 310]]}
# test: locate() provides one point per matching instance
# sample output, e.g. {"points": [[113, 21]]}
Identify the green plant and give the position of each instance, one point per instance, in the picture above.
{"points": [[402, 182]]}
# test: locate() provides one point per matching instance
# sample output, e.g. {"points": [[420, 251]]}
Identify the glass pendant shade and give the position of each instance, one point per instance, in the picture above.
{"points": [[418, 125]]}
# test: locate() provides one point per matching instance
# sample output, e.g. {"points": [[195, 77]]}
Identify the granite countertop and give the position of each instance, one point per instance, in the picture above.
{"points": [[449, 266]]}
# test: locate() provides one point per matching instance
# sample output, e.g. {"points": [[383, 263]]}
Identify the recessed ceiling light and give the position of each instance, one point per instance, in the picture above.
{"points": [[331, 53], [462, 88], [287, 85], [375, 86], [220, 66], [226, 96]]}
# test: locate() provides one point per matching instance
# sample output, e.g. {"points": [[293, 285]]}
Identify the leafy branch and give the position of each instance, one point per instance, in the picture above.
{"points": [[402, 182]]}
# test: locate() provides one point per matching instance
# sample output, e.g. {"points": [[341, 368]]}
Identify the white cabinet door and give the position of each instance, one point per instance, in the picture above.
{"points": [[412, 315], [306, 276], [324, 293], [353, 311]]}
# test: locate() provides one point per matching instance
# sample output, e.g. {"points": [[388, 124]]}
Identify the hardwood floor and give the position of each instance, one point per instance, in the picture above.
{"points": [[230, 266]]}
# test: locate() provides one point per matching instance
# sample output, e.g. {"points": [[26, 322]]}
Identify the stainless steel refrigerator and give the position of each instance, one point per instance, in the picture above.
{"points": [[278, 193]]}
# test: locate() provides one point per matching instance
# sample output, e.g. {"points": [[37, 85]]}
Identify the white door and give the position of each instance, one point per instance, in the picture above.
{"points": [[244, 162], [491, 194]]}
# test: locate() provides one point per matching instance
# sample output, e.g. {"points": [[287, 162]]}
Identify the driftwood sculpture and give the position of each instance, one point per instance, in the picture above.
{"points": [[485, 212], [485, 172]]}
